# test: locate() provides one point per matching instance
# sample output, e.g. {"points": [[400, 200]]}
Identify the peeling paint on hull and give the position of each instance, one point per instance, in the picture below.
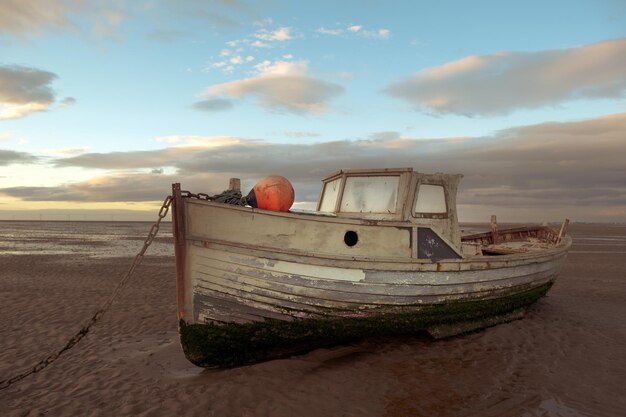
{"points": [[236, 344], [254, 285]]}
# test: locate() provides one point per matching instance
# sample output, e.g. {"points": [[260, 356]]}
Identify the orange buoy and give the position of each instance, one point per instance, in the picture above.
{"points": [[272, 193]]}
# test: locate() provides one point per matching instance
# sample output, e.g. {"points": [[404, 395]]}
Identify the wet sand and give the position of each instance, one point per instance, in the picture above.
{"points": [[566, 358]]}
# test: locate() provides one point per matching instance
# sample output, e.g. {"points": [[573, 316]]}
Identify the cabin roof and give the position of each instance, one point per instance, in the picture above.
{"points": [[385, 171], [370, 171]]}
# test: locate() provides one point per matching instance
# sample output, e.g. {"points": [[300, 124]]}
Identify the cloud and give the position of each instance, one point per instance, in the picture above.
{"points": [[65, 151], [24, 90], [355, 31], [298, 134], [264, 22], [279, 35], [213, 105], [125, 160], [496, 84], [144, 187], [331, 32], [100, 189], [223, 15], [543, 171], [228, 61], [22, 18], [8, 157], [569, 165], [282, 86], [377, 34], [67, 102]]}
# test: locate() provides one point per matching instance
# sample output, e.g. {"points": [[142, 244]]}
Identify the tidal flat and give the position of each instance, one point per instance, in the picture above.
{"points": [[565, 358]]}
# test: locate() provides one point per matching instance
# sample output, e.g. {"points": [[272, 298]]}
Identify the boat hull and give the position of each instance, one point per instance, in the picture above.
{"points": [[244, 300], [235, 344]]}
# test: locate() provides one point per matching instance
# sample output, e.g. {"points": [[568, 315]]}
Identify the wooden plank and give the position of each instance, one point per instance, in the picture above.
{"points": [[234, 184], [563, 230], [494, 230], [180, 250], [282, 289], [290, 286], [375, 282], [241, 297]]}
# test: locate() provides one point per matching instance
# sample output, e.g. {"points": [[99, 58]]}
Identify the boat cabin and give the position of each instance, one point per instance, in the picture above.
{"points": [[399, 195]]}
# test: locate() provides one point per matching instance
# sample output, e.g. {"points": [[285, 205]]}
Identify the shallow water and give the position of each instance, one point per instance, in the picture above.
{"points": [[92, 239], [567, 357]]}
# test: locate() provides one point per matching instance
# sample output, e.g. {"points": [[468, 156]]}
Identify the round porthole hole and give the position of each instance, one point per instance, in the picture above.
{"points": [[351, 238]]}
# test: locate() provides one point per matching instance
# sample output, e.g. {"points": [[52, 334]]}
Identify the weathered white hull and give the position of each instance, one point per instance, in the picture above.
{"points": [[242, 272], [270, 288]]}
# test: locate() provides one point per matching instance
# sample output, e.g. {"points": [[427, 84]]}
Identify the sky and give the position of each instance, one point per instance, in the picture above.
{"points": [[105, 104]]}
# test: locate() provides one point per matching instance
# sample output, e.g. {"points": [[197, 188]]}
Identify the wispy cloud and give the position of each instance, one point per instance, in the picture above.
{"points": [[299, 134], [65, 152], [488, 85], [281, 86], [24, 90], [8, 157], [213, 105], [23, 18], [279, 35], [143, 187], [354, 30], [238, 52], [331, 32], [67, 102]]}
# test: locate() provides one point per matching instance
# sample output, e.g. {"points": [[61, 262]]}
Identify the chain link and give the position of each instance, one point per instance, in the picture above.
{"points": [[229, 197], [105, 306]]}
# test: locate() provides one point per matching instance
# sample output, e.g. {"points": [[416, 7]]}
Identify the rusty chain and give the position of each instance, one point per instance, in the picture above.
{"points": [[105, 306], [229, 197]]}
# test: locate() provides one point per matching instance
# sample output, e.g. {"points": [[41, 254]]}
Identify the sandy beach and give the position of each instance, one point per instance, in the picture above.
{"points": [[566, 358]]}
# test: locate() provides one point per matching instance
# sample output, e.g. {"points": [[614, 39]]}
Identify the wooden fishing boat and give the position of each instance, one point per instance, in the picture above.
{"points": [[382, 255]]}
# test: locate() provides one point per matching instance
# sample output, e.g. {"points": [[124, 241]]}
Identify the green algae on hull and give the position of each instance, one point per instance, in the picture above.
{"points": [[234, 344]]}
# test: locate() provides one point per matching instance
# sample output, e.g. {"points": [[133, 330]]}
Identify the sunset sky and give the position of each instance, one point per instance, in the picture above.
{"points": [[104, 104]]}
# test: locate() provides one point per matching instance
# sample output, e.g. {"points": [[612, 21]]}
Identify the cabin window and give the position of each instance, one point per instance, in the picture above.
{"points": [[370, 194], [431, 199], [330, 194]]}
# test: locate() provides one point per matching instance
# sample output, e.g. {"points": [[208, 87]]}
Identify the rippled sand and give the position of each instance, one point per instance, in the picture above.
{"points": [[566, 358]]}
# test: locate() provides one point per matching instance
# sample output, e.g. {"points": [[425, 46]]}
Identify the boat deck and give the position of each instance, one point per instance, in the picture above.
{"points": [[509, 248]]}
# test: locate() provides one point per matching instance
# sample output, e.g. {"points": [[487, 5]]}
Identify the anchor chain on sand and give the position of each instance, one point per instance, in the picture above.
{"points": [[44, 363]]}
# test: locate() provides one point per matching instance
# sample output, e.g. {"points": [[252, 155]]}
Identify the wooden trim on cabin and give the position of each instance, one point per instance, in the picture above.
{"points": [[414, 242], [446, 196], [372, 171], [180, 248], [342, 187], [401, 193]]}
